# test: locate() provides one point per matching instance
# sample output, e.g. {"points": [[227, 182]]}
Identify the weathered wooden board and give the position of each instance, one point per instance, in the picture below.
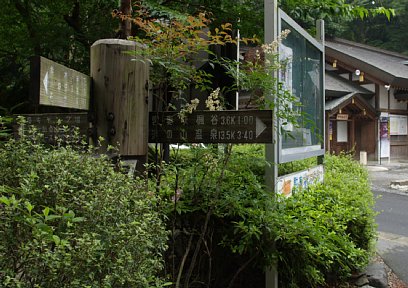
{"points": [[58, 85], [119, 88], [244, 126], [54, 125]]}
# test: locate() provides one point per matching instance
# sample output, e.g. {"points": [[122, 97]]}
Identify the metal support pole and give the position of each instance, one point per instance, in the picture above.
{"points": [[271, 150], [320, 36], [389, 119]]}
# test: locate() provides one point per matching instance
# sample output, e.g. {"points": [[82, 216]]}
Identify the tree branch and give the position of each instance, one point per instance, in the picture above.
{"points": [[242, 269], [197, 249], [183, 261], [74, 21], [26, 17]]}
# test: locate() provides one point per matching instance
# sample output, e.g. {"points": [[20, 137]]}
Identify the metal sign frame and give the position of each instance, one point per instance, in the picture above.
{"points": [[303, 152]]}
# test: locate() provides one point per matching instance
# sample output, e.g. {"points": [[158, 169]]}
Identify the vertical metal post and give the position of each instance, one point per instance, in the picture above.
{"points": [[271, 150], [389, 120], [320, 36], [238, 59], [379, 137]]}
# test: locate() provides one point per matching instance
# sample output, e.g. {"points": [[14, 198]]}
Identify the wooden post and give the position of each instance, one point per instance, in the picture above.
{"points": [[120, 96]]}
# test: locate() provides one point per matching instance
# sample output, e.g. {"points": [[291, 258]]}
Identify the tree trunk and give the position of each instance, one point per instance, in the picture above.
{"points": [[126, 23]]}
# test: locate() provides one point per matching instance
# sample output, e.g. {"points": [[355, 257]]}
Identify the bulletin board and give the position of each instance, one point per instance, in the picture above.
{"points": [[398, 125]]}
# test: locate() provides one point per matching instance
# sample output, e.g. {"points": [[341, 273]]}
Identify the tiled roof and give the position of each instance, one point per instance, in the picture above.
{"points": [[330, 105], [347, 100], [338, 86], [385, 66]]}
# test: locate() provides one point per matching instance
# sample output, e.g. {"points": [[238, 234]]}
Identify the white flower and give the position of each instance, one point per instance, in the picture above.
{"points": [[272, 47], [213, 103], [188, 109]]}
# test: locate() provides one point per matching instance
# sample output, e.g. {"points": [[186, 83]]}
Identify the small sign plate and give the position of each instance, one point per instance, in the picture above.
{"points": [[59, 85], [343, 117], [244, 126], [52, 124]]}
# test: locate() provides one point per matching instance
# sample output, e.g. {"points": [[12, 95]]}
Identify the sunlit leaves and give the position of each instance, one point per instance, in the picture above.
{"points": [[173, 45], [308, 11], [68, 217]]}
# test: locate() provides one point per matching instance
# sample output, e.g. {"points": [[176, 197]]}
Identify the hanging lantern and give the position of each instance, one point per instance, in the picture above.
{"points": [[361, 77]]}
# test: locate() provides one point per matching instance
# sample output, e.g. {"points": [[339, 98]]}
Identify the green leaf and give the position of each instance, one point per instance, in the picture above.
{"points": [[51, 217], [70, 214], [29, 207], [56, 239], [5, 200], [78, 219], [46, 211], [44, 228]]}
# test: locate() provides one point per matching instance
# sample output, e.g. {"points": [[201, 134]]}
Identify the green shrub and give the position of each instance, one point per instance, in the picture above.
{"points": [[223, 219], [69, 219], [327, 231], [298, 165], [207, 198], [5, 123]]}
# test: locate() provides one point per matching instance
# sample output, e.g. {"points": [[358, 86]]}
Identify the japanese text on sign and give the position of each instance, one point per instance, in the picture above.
{"points": [[212, 127], [56, 124]]}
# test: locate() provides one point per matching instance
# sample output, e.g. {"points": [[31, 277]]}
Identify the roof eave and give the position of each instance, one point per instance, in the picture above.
{"points": [[373, 73]]}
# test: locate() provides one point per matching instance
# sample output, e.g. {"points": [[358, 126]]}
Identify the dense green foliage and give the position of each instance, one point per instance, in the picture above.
{"points": [[334, 12], [69, 219], [248, 15], [60, 30], [217, 199], [63, 31], [379, 31], [330, 227], [5, 126]]}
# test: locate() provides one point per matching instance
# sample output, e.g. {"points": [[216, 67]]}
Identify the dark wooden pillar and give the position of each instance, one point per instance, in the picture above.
{"points": [[120, 96], [353, 134]]}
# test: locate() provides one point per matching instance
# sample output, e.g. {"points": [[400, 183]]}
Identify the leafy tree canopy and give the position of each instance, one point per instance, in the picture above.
{"points": [[381, 32], [307, 11], [248, 14], [63, 30], [57, 29]]}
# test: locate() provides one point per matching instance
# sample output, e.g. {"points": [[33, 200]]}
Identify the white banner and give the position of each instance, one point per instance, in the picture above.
{"points": [[299, 180]]}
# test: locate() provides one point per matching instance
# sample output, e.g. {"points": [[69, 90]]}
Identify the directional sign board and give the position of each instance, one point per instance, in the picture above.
{"points": [[52, 125], [245, 126], [57, 85]]}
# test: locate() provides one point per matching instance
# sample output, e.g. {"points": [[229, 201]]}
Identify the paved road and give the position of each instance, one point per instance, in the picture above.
{"points": [[393, 218]]}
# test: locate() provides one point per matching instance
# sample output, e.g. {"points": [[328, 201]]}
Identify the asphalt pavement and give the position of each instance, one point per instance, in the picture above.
{"points": [[392, 221]]}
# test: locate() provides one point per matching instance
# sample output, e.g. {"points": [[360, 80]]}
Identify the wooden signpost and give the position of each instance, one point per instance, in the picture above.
{"points": [[56, 85], [244, 126], [53, 125], [53, 84], [120, 96]]}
